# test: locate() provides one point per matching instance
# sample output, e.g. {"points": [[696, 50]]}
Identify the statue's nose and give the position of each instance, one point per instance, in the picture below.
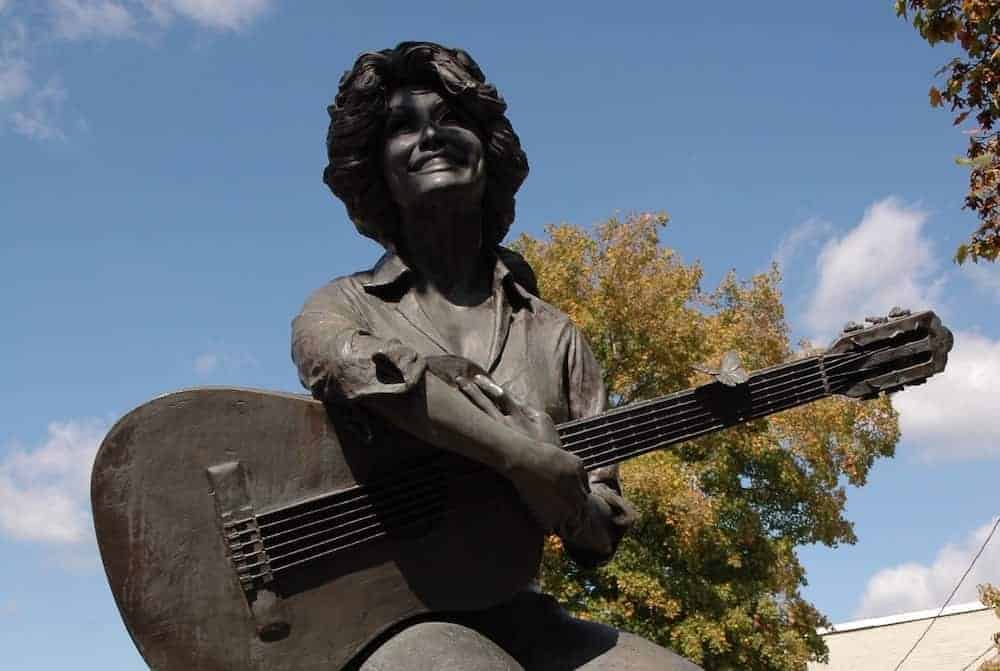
{"points": [[429, 134]]}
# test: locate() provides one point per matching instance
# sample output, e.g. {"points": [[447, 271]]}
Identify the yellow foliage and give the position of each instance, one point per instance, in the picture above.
{"points": [[710, 568]]}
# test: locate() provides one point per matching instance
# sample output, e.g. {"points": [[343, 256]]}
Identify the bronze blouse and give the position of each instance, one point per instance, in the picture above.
{"points": [[365, 335]]}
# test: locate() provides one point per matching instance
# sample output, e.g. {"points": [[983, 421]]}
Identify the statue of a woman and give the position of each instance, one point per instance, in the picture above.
{"points": [[425, 160]]}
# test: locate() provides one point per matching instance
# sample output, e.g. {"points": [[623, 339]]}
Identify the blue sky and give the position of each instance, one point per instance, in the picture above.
{"points": [[162, 219]]}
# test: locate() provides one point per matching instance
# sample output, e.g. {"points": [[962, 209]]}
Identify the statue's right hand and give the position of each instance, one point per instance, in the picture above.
{"points": [[553, 484]]}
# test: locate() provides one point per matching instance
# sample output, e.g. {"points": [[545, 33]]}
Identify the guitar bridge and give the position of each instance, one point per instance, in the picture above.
{"points": [[239, 525], [245, 547]]}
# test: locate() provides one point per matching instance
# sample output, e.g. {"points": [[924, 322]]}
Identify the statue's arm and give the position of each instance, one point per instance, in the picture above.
{"points": [[340, 360], [609, 516]]}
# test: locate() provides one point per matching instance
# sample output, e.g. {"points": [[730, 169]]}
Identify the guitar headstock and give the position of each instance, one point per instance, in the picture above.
{"points": [[896, 351]]}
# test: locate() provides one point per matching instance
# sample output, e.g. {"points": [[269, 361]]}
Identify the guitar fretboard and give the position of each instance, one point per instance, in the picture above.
{"points": [[635, 429]]}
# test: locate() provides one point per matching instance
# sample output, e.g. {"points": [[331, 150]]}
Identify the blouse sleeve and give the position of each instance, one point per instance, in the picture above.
{"points": [[337, 356], [588, 397]]}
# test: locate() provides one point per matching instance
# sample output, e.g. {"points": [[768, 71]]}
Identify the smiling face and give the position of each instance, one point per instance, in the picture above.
{"points": [[431, 149]]}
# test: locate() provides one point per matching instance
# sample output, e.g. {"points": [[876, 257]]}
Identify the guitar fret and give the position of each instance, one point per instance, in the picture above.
{"points": [[789, 394]]}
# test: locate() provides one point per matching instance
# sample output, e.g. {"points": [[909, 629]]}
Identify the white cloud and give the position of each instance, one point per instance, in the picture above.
{"points": [[986, 277], [806, 234], [82, 19], [218, 14], [206, 363], [887, 260], [882, 262], [14, 79], [228, 359], [954, 414], [33, 109], [44, 491], [37, 117], [914, 586]]}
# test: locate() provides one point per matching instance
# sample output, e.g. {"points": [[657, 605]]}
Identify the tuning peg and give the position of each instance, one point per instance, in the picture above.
{"points": [[876, 320], [898, 312], [852, 326]]}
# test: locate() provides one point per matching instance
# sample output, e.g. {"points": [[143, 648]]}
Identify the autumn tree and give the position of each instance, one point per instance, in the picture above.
{"points": [[971, 89], [989, 595], [710, 569]]}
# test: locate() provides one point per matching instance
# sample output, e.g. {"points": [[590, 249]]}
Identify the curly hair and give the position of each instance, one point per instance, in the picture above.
{"points": [[355, 136]]}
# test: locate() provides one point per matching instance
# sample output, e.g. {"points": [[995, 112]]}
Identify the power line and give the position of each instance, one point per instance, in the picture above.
{"points": [[950, 596], [978, 657]]}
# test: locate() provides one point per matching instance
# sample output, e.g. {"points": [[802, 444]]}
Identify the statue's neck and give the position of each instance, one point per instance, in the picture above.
{"points": [[445, 249]]}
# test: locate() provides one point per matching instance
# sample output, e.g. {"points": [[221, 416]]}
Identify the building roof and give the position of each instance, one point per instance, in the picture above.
{"points": [[961, 638], [899, 618]]}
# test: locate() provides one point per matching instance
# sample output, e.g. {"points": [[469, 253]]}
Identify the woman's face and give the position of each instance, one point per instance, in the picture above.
{"points": [[431, 149]]}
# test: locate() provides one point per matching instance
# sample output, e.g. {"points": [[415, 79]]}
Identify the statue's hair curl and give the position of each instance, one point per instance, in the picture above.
{"points": [[355, 136]]}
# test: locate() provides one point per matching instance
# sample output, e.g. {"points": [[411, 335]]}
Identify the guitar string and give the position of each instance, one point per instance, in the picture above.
{"points": [[347, 517], [784, 401], [638, 447], [405, 512], [652, 444], [365, 506], [607, 429], [766, 409], [288, 548], [600, 429], [397, 521], [572, 445], [354, 492], [761, 411], [624, 452], [626, 412], [379, 503], [325, 553], [361, 492], [600, 423], [758, 399]]}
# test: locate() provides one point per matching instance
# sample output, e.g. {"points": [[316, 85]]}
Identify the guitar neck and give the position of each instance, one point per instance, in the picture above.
{"points": [[638, 428]]}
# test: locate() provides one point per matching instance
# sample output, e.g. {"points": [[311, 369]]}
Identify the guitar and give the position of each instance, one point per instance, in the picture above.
{"points": [[245, 529]]}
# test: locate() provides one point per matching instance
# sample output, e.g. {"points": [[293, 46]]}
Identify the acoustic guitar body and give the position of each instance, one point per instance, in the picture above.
{"points": [[177, 479]]}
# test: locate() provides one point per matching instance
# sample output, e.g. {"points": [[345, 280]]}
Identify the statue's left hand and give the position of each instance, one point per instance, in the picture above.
{"points": [[606, 515]]}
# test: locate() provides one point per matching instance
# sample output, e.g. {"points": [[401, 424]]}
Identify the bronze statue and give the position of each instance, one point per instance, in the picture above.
{"points": [[425, 160], [396, 521]]}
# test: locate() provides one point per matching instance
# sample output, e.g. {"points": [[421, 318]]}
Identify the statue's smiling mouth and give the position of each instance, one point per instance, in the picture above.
{"points": [[435, 164], [439, 160]]}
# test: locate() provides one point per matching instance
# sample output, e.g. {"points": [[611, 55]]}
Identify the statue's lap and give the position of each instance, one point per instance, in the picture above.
{"points": [[530, 633]]}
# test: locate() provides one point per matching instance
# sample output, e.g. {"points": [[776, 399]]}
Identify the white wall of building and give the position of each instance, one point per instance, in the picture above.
{"points": [[961, 635]]}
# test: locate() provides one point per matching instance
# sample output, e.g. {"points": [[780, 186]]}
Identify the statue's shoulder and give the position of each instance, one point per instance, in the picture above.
{"points": [[386, 271]]}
